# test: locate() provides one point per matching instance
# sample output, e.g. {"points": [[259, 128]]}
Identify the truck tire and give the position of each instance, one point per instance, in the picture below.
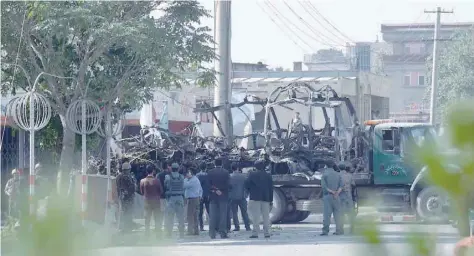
{"points": [[279, 206], [295, 216], [429, 205], [291, 217], [303, 215]]}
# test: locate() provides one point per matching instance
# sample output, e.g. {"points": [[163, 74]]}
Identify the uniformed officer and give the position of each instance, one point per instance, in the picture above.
{"points": [[331, 184], [347, 203], [126, 187], [174, 187]]}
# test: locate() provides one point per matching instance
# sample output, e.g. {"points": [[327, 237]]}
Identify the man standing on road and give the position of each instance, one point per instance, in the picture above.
{"points": [[347, 204], [219, 199], [151, 189], [238, 197], [126, 187], [331, 184], [161, 177], [174, 186], [204, 204], [260, 186], [193, 194]]}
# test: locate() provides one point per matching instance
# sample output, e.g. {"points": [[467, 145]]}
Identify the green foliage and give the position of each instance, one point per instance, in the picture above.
{"points": [[456, 79], [115, 51], [49, 140], [56, 233]]}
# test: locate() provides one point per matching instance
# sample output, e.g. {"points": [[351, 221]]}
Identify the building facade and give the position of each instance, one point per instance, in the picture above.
{"points": [[406, 64]]}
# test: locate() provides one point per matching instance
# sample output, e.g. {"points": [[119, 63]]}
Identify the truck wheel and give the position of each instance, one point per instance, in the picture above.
{"points": [[429, 204], [291, 217], [279, 206], [303, 215]]}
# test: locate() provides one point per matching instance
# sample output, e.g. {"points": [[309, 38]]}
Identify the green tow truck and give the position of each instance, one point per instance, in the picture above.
{"points": [[388, 178]]}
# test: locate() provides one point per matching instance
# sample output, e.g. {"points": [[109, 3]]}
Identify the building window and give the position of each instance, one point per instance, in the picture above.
{"points": [[406, 50], [414, 79], [387, 140], [406, 80], [414, 48], [421, 80]]}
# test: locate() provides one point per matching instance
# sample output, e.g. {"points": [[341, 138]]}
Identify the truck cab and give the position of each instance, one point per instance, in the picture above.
{"points": [[387, 174], [392, 144]]}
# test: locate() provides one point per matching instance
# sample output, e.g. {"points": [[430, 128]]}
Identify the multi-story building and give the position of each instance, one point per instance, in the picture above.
{"points": [[326, 59], [406, 64]]}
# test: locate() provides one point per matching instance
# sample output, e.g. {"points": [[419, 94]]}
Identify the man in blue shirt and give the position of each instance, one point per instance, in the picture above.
{"points": [[193, 194]]}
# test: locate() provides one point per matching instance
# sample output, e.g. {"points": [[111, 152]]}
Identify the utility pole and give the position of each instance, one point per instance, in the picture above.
{"points": [[434, 74], [222, 92]]}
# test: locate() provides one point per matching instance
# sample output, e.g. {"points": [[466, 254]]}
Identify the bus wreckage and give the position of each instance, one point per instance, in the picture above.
{"points": [[325, 130], [295, 154]]}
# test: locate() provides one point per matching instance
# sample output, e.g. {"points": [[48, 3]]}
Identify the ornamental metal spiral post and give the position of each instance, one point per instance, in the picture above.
{"points": [[83, 117], [107, 132], [31, 112]]}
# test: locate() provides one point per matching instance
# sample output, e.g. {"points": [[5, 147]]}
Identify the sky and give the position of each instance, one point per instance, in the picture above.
{"points": [[255, 37]]}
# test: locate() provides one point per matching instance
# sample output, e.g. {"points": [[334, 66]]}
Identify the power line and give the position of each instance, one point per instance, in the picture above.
{"points": [[325, 19], [311, 6], [284, 32], [311, 28], [279, 15], [287, 22]]}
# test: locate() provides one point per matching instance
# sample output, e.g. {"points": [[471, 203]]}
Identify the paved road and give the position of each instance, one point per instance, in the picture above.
{"points": [[301, 239]]}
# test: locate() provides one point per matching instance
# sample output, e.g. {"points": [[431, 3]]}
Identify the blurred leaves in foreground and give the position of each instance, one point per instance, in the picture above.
{"points": [[57, 232]]}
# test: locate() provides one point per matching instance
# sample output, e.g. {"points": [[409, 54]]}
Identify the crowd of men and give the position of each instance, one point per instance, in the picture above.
{"points": [[177, 188]]}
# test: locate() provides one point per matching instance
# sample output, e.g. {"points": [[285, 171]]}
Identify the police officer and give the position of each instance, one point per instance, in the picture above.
{"points": [[331, 184], [347, 203], [174, 187], [126, 187]]}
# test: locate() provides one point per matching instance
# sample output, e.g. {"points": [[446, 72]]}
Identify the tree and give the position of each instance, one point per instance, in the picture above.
{"points": [[115, 51], [456, 76]]}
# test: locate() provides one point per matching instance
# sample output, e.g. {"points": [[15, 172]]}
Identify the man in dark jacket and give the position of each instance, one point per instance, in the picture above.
{"points": [[219, 198], [260, 187], [238, 197], [202, 176], [161, 177]]}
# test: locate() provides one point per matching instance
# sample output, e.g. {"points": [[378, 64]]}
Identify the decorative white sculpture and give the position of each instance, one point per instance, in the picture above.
{"points": [[83, 117], [31, 112]]}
